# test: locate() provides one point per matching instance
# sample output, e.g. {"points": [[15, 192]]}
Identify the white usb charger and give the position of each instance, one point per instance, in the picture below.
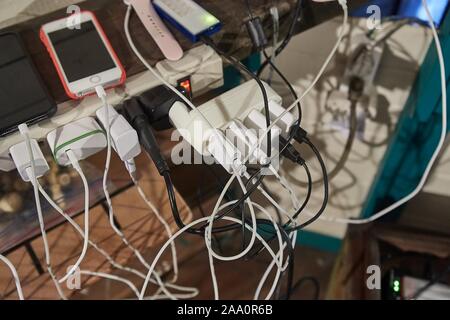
{"points": [[22, 161], [286, 122], [83, 138], [256, 120], [225, 153], [124, 138]]}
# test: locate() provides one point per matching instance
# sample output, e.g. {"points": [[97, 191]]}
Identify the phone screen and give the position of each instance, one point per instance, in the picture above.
{"points": [[23, 97], [81, 51]]}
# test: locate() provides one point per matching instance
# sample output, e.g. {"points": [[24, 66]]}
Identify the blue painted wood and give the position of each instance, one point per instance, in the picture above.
{"points": [[417, 133]]}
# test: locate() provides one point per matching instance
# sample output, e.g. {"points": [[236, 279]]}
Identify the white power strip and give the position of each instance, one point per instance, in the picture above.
{"points": [[70, 111], [201, 64], [235, 104]]}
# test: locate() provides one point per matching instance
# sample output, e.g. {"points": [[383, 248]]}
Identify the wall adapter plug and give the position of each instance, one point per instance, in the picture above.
{"points": [[286, 122], [124, 138], [256, 120], [84, 137], [226, 154], [20, 156], [245, 140]]}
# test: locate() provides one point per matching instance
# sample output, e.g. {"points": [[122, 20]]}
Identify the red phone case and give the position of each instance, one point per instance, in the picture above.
{"points": [[46, 41]]}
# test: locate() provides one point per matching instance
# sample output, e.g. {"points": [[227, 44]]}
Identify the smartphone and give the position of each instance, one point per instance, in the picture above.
{"points": [[23, 96], [82, 54]]}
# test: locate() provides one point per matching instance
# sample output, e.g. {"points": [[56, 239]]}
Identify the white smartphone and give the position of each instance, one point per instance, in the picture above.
{"points": [[82, 54]]}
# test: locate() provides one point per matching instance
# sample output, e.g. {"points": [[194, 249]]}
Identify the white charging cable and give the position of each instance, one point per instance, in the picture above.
{"points": [[167, 228], [443, 135], [75, 164], [314, 82], [439, 146], [102, 95], [112, 277], [194, 291], [15, 276], [31, 172], [181, 231], [277, 259]]}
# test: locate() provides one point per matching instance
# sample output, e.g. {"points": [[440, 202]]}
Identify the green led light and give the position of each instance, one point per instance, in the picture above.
{"points": [[396, 283], [396, 289], [210, 19]]}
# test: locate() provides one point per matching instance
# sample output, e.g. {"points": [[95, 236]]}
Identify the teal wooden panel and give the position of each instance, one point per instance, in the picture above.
{"points": [[417, 133]]}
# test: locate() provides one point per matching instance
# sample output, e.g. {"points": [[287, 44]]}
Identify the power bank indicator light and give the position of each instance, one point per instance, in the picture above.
{"points": [[210, 19]]}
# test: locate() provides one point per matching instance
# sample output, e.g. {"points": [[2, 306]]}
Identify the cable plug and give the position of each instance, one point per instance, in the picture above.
{"points": [[356, 88], [225, 153], [290, 152], [245, 141], [343, 3], [301, 134], [287, 119], [139, 121], [256, 120]]}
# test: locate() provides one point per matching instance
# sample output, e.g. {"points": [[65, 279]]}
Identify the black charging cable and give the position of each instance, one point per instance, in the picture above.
{"points": [[296, 18]]}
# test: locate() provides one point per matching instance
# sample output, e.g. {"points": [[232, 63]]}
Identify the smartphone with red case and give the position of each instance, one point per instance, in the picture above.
{"points": [[82, 54]]}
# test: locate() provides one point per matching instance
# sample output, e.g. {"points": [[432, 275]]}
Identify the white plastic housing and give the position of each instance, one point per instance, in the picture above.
{"points": [[20, 156], [236, 103], [245, 139], [124, 138], [202, 65], [225, 153], [256, 120], [84, 137], [286, 122]]}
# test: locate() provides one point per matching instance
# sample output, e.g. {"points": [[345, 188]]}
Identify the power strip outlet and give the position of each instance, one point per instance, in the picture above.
{"points": [[235, 104], [202, 65]]}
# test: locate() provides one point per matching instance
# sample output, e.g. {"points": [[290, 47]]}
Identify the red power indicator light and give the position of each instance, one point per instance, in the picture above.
{"points": [[186, 84]]}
